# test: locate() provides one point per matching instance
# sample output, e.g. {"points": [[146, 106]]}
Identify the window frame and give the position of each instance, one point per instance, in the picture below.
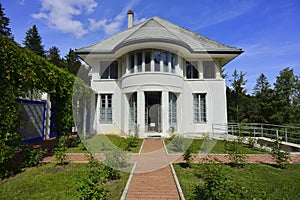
{"points": [[105, 108], [209, 73], [109, 69], [199, 108], [193, 69]]}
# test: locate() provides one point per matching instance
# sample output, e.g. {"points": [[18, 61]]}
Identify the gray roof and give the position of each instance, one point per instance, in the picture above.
{"points": [[159, 30]]}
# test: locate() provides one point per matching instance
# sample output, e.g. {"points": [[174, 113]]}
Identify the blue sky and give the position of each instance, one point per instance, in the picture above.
{"points": [[267, 30]]}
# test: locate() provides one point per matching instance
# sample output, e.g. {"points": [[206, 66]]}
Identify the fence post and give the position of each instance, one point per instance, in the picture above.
{"points": [[285, 131], [262, 130], [254, 132], [277, 134]]}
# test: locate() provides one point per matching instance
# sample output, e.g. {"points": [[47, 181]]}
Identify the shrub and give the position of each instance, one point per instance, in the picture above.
{"points": [[281, 157], [131, 142], [116, 158], [216, 184], [177, 144], [235, 154], [31, 157], [60, 154], [187, 157], [251, 142], [92, 185]]}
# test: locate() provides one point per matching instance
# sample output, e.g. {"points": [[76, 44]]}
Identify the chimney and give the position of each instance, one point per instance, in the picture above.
{"points": [[130, 16]]}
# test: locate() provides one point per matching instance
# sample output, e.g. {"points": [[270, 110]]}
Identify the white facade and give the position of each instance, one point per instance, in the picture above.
{"points": [[157, 76]]}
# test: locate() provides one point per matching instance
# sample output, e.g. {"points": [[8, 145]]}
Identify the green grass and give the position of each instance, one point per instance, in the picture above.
{"points": [[98, 143], [258, 180], [195, 145], [51, 182]]}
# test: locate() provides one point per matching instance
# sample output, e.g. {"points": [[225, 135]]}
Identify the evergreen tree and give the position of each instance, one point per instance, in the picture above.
{"points": [[284, 89], [263, 97], [4, 24], [236, 97], [72, 62], [33, 41], [53, 56]]}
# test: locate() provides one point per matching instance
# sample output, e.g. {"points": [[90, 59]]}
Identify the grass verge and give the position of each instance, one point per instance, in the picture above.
{"points": [[196, 146], [49, 181], [258, 181]]}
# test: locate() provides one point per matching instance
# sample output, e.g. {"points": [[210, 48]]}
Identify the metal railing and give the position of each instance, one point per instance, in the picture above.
{"points": [[286, 133]]}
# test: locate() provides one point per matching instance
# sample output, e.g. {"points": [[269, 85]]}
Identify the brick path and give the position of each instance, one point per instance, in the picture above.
{"points": [[153, 178]]}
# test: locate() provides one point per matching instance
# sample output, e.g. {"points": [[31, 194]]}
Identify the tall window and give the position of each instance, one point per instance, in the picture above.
{"points": [[200, 108], [172, 110], [192, 70], [147, 61], [106, 108], [165, 58], [133, 111], [109, 70], [156, 55], [139, 61], [209, 69], [131, 63], [173, 62]]}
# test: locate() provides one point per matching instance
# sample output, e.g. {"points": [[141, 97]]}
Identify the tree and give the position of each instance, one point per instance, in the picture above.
{"points": [[53, 56], [235, 94], [72, 62], [4, 24], [263, 96], [33, 41], [284, 89]]}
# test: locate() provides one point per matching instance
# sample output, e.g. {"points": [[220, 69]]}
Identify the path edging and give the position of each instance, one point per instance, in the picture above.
{"points": [[177, 182], [125, 192]]}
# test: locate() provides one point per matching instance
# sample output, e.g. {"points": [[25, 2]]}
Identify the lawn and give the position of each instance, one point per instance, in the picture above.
{"points": [[100, 143], [257, 180], [197, 146], [51, 182]]}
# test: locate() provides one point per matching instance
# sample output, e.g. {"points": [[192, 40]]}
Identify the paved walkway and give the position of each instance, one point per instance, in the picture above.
{"points": [[153, 177]]}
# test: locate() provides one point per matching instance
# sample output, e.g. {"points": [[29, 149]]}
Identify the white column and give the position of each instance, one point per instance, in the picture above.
{"points": [[141, 112], [165, 112], [125, 113]]}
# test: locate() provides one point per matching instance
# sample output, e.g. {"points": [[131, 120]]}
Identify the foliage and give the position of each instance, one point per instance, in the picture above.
{"points": [[278, 105], [131, 143], [177, 144], [116, 158], [60, 154], [251, 142], [216, 183], [281, 157], [4, 24], [72, 62], [33, 41], [53, 56], [92, 186], [31, 157], [255, 181], [235, 154], [187, 157]]}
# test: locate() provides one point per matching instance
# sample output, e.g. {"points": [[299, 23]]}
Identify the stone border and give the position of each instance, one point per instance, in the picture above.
{"points": [[177, 183], [125, 192]]}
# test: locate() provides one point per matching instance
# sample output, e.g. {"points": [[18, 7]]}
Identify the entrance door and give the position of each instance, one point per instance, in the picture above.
{"points": [[153, 111]]}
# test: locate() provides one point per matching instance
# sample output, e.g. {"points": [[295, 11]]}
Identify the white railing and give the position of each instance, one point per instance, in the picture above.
{"points": [[286, 133]]}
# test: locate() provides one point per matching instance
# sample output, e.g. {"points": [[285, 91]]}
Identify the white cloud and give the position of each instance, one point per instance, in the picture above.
{"points": [[113, 25], [59, 14], [110, 26]]}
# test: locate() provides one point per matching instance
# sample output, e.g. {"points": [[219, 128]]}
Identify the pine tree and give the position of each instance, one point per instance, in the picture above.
{"points": [[53, 56], [72, 62], [284, 88], [263, 97], [33, 41], [236, 95], [4, 24]]}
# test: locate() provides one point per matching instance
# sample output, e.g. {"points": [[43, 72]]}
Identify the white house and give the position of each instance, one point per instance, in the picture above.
{"points": [[155, 76]]}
